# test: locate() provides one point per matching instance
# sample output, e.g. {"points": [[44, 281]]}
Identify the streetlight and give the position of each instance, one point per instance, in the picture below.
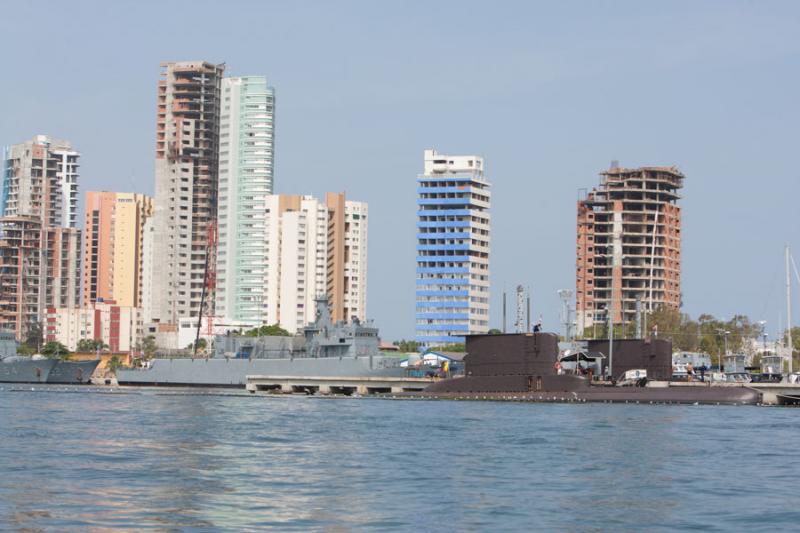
{"points": [[724, 334], [566, 295], [763, 324]]}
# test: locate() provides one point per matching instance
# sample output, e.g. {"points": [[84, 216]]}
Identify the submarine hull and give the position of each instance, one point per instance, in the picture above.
{"points": [[522, 367]]}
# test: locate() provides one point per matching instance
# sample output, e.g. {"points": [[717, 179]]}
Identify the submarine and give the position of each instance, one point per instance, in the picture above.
{"points": [[528, 367]]}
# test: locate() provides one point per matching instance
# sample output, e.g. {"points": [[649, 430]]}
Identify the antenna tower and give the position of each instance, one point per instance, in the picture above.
{"points": [[519, 325]]}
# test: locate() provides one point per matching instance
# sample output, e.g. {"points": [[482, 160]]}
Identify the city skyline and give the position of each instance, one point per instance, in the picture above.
{"points": [[536, 89], [246, 245]]}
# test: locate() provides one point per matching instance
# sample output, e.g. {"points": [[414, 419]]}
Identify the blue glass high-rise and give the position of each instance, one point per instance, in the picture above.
{"points": [[453, 241]]}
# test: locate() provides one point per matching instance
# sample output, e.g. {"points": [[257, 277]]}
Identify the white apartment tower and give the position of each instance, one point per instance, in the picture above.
{"points": [[40, 179], [246, 163], [297, 241], [453, 241], [314, 248], [355, 261]]}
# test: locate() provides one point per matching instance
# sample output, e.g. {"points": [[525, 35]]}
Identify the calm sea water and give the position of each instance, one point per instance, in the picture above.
{"points": [[88, 459]]}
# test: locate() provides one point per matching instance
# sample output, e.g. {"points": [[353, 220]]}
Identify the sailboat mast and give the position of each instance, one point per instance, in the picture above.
{"points": [[789, 311]]}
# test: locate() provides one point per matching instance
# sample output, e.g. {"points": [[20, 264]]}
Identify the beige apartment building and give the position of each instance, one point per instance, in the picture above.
{"points": [[314, 248], [113, 261]]}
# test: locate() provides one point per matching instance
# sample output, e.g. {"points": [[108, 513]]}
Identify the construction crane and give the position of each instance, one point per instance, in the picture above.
{"points": [[209, 283]]}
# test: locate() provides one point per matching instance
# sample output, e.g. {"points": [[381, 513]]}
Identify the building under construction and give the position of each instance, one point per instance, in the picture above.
{"points": [[39, 268], [39, 243], [628, 245], [40, 178], [186, 181]]}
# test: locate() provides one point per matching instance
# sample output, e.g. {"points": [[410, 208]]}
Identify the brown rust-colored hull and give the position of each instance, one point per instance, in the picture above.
{"points": [[577, 389], [522, 367], [623, 395]]}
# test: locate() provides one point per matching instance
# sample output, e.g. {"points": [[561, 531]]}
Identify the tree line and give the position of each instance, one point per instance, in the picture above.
{"points": [[706, 334]]}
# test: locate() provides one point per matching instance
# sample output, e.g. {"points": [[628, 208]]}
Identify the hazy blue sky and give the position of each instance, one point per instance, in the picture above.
{"points": [[549, 93]]}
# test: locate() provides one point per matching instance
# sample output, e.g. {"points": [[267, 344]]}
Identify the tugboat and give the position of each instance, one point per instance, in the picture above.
{"points": [[527, 367]]}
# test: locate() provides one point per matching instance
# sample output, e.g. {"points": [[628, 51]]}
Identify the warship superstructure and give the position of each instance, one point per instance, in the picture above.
{"points": [[324, 349]]}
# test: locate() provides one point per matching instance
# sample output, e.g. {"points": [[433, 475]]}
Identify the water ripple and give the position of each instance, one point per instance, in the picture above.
{"points": [[187, 461]]}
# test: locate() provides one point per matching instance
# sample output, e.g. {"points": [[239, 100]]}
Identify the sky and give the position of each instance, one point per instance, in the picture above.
{"points": [[549, 93]]}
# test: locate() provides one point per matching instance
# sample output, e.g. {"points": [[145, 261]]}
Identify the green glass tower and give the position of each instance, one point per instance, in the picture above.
{"points": [[246, 171]]}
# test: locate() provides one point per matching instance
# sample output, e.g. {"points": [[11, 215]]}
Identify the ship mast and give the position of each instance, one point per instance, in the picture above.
{"points": [[209, 284], [789, 310]]}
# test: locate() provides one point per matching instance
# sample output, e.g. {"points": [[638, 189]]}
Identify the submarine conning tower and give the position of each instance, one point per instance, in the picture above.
{"points": [[651, 354], [515, 362], [511, 354]]}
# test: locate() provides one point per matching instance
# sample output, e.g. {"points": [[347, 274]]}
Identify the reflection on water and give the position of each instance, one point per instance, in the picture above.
{"points": [[167, 461]]}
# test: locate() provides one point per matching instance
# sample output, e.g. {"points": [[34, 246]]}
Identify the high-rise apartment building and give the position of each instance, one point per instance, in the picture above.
{"points": [[148, 243], [628, 245], [113, 247], [61, 280], [40, 179], [246, 156], [354, 289], [346, 279], [296, 230], [314, 248], [185, 206], [453, 238], [39, 244], [39, 268], [20, 241]]}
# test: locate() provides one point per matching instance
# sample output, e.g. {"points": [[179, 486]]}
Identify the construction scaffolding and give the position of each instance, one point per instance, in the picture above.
{"points": [[20, 239], [39, 269], [628, 245]]}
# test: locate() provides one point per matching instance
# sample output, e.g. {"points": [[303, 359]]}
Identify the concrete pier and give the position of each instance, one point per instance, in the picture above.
{"points": [[335, 385], [778, 393]]}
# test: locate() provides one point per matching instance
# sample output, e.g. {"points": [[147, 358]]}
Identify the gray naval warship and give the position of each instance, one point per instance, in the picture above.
{"points": [[40, 369], [17, 369], [73, 372], [325, 349]]}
